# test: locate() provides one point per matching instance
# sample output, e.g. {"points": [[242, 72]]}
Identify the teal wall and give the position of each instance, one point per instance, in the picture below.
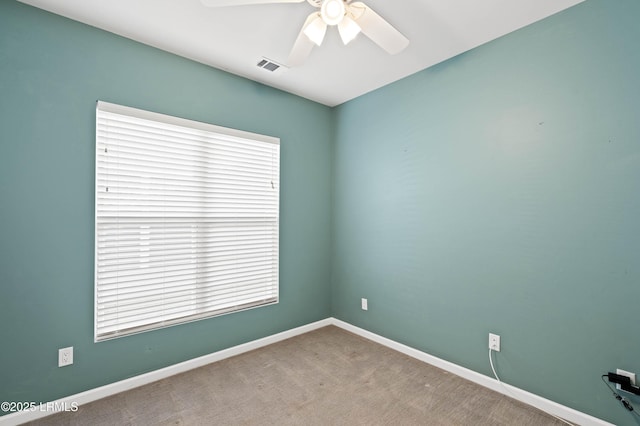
{"points": [[499, 192], [52, 71], [496, 192]]}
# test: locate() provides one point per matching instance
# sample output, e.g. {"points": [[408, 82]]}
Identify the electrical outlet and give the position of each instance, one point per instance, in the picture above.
{"points": [[365, 304], [631, 376], [65, 356], [494, 342]]}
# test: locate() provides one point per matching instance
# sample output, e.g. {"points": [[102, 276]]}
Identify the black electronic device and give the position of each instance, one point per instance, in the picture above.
{"points": [[624, 382]]}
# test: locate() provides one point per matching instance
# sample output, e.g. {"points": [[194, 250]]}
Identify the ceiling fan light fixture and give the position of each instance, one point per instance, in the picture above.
{"points": [[316, 30], [348, 29], [332, 11]]}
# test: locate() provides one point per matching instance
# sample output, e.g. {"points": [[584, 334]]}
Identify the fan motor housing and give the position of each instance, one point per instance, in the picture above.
{"points": [[315, 3]]}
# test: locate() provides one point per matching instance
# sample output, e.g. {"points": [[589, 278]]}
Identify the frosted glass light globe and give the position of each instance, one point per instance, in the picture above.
{"points": [[332, 11]]}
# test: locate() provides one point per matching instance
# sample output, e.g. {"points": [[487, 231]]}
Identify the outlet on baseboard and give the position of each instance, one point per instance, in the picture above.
{"points": [[364, 304]]}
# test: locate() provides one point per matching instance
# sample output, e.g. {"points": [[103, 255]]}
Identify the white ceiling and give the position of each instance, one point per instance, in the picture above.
{"points": [[236, 38]]}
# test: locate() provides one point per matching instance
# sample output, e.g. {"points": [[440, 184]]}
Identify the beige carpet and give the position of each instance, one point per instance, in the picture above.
{"points": [[326, 377]]}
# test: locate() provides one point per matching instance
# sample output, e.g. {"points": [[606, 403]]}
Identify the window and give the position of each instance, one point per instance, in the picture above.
{"points": [[186, 220]]}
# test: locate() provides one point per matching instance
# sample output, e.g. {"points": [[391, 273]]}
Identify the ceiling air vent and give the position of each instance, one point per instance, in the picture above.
{"points": [[271, 66]]}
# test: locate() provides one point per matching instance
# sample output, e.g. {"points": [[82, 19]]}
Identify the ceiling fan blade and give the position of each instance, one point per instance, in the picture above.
{"points": [[225, 3], [377, 29], [303, 46]]}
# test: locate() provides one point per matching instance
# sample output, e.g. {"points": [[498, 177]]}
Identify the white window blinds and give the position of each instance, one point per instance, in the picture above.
{"points": [[186, 220]]}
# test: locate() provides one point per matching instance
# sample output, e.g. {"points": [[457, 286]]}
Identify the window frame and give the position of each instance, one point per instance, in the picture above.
{"points": [[199, 126]]}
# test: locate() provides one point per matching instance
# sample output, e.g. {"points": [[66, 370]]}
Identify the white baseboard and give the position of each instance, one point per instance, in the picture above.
{"points": [[91, 395], [529, 398], [143, 379]]}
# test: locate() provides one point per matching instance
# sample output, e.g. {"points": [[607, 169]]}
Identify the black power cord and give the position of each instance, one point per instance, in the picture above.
{"points": [[624, 401]]}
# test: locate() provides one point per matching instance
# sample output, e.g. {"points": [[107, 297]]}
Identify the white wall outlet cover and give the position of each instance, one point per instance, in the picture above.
{"points": [[65, 356], [494, 342], [365, 304]]}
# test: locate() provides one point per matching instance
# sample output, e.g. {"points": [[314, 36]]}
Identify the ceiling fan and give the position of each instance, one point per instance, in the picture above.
{"points": [[351, 18]]}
